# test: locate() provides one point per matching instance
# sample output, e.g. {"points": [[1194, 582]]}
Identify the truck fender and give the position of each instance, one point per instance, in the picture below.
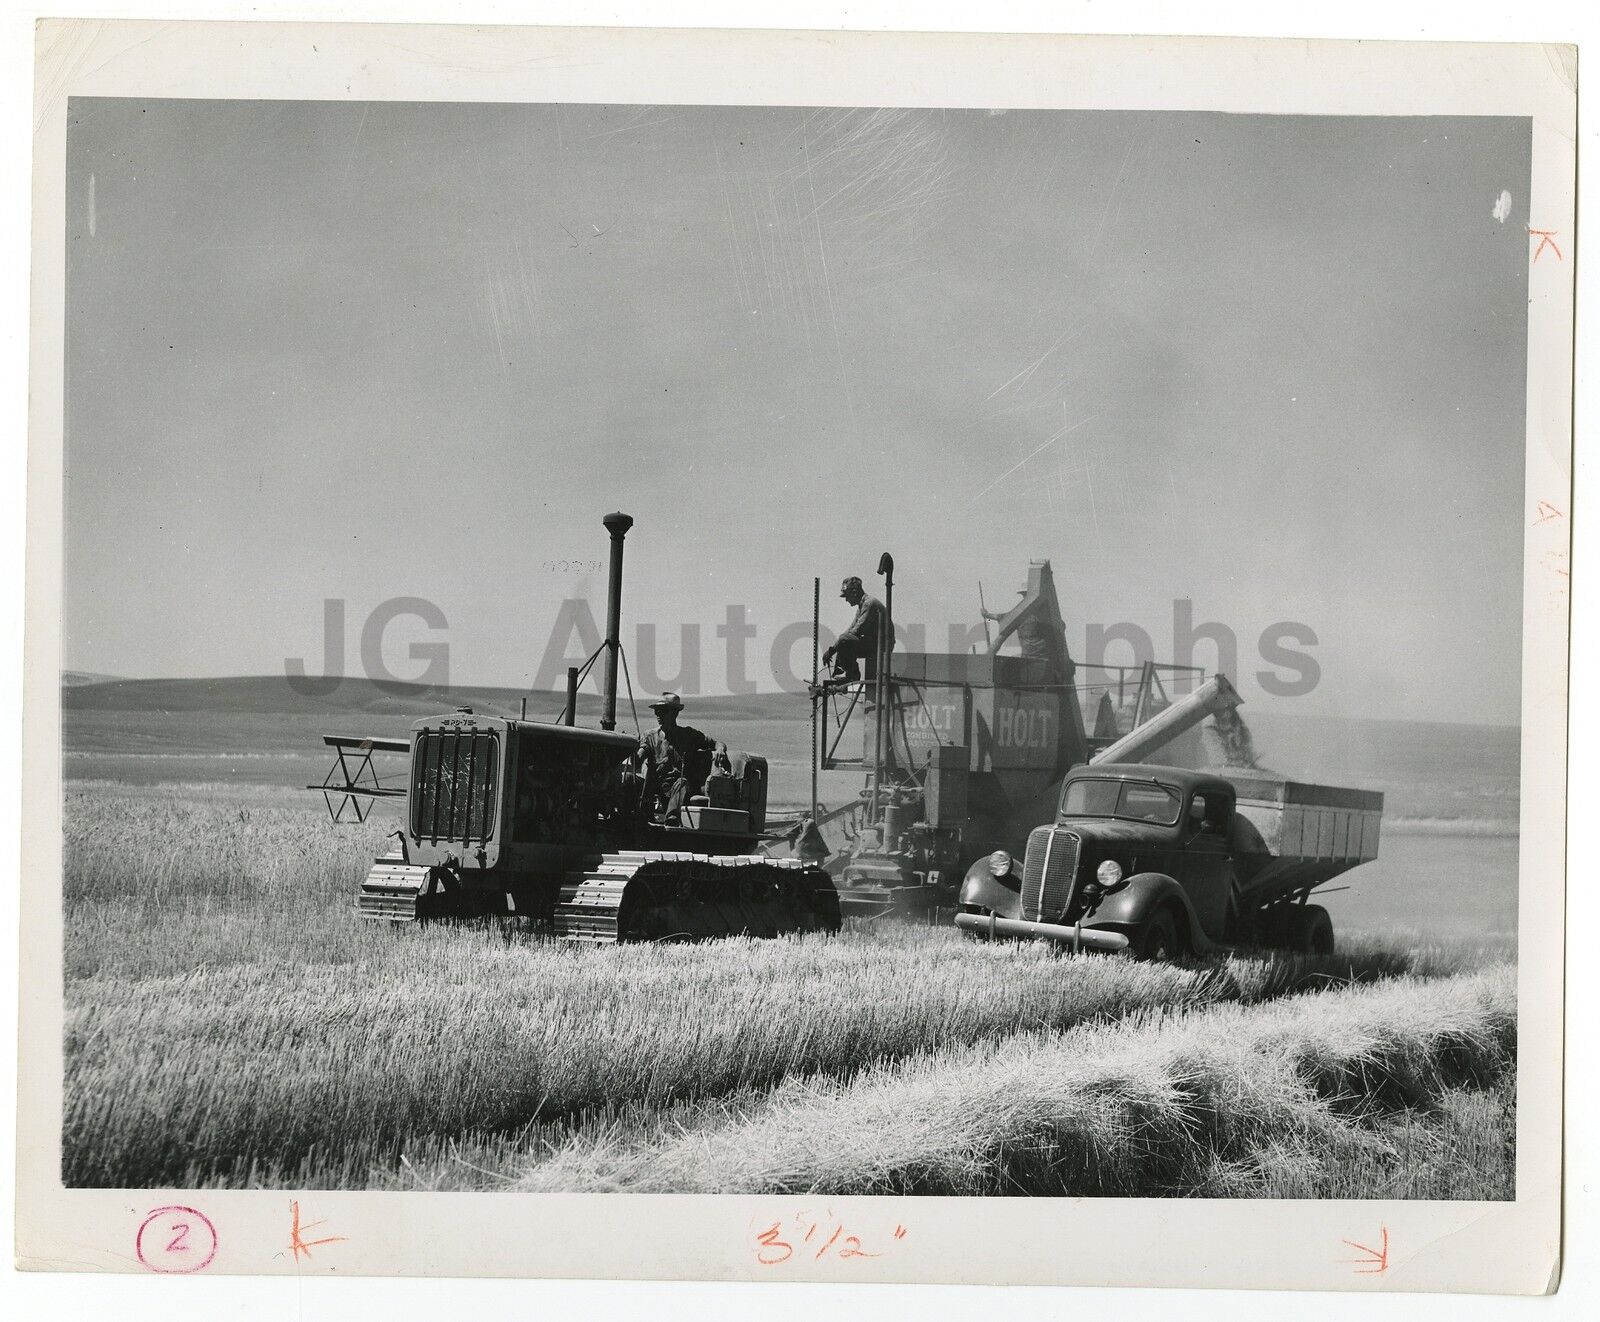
{"points": [[981, 889], [1130, 904]]}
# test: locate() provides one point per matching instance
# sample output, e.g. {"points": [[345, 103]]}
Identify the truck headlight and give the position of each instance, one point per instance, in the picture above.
{"points": [[1109, 874], [999, 863]]}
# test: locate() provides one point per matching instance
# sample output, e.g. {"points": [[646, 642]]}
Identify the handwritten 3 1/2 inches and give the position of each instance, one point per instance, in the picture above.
{"points": [[811, 1239]]}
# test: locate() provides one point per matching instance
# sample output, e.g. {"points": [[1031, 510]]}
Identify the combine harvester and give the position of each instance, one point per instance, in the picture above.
{"points": [[555, 822], [964, 754]]}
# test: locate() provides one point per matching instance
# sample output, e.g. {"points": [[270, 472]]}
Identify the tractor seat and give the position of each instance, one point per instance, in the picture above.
{"points": [[698, 816]]}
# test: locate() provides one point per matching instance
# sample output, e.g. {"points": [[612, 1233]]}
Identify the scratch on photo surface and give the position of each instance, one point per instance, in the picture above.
{"points": [[635, 123], [1067, 480], [1038, 450], [62, 53], [827, 289], [1094, 508], [1022, 377], [507, 297], [880, 172], [734, 246], [356, 141], [1116, 188]]}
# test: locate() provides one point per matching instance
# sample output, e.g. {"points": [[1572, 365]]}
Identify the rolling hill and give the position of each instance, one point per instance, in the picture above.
{"points": [[269, 694]]}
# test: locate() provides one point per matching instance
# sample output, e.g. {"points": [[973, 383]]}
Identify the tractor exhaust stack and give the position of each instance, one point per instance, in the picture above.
{"points": [[617, 525]]}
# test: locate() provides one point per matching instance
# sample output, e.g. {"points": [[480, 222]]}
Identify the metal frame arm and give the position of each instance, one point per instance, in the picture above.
{"points": [[358, 783]]}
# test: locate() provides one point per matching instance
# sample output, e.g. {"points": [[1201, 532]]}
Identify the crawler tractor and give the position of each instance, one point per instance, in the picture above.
{"points": [[555, 822]]}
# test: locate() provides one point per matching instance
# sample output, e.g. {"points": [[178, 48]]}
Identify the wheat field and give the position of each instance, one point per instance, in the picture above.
{"points": [[230, 1023]]}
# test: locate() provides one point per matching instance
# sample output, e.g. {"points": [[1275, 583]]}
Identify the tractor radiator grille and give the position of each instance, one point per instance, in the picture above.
{"points": [[453, 785], [1048, 874]]}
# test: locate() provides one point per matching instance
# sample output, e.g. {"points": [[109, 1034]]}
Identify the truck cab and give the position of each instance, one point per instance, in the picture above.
{"points": [[1137, 858]]}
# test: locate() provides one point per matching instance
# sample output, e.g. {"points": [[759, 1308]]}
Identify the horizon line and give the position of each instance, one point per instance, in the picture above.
{"points": [[560, 695]]}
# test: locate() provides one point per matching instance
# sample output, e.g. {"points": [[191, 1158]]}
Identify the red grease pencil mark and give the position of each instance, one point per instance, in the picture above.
{"points": [[770, 1243], [1377, 1260], [176, 1241], [1547, 239], [1546, 511], [299, 1245], [771, 1249], [837, 1231]]}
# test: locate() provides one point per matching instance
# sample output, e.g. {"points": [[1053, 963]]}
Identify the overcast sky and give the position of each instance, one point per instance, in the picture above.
{"points": [[1271, 365]]}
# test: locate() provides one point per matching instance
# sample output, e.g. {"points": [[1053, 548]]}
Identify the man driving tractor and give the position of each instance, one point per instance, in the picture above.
{"points": [[677, 760]]}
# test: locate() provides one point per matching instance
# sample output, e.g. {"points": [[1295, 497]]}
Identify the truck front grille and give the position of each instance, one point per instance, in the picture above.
{"points": [[1048, 874], [453, 785]]}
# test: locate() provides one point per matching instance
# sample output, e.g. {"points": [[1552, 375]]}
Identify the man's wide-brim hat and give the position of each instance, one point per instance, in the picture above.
{"points": [[851, 582], [667, 702]]}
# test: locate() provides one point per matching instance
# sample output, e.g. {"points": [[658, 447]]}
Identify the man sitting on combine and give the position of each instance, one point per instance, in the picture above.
{"points": [[860, 641], [677, 759]]}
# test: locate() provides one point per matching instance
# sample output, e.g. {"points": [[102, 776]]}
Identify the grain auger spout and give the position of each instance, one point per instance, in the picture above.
{"points": [[1216, 697]]}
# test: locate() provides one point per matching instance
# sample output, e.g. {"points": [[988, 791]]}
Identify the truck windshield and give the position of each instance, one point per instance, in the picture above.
{"points": [[1139, 801]]}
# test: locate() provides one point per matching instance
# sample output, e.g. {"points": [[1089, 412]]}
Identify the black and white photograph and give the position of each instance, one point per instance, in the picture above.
{"points": [[815, 652]]}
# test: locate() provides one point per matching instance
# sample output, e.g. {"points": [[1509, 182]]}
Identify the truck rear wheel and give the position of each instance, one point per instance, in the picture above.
{"points": [[1315, 931], [1158, 938], [1300, 929]]}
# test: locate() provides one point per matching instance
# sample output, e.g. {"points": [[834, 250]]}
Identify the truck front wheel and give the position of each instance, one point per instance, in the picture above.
{"points": [[1158, 938]]}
